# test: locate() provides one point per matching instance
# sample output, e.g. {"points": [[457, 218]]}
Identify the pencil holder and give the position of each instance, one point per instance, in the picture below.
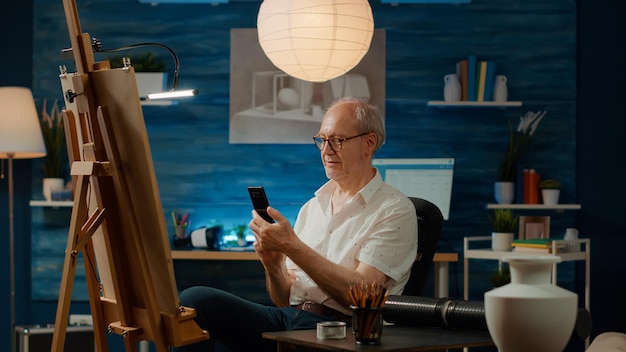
{"points": [[367, 324], [181, 231]]}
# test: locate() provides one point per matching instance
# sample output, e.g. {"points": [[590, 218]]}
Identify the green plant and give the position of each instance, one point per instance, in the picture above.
{"points": [[503, 220], [500, 277], [240, 230], [550, 184], [147, 62], [518, 142], [54, 139]]}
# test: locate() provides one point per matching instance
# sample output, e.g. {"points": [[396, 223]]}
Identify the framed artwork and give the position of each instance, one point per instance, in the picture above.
{"points": [[269, 106], [534, 227]]}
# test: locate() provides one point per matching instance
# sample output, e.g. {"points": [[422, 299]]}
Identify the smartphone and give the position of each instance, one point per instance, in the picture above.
{"points": [[259, 202]]}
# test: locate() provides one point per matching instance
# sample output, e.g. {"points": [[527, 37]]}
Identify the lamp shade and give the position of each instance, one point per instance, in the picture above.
{"points": [[315, 40], [20, 132]]}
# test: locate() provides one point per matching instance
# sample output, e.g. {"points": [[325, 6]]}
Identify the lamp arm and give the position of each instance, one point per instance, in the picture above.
{"points": [[97, 47]]}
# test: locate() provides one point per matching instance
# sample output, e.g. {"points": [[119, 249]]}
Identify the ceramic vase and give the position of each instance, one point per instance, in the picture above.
{"points": [[504, 192], [452, 87], [530, 313], [500, 89], [550, 196], [52, 184]]}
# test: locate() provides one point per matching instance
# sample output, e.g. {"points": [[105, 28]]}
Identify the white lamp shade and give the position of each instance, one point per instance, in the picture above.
{"points": [[20, 132], [315, 40]]}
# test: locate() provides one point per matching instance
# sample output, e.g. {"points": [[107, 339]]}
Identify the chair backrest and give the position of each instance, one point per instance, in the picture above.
{"points": [[429, 225]]}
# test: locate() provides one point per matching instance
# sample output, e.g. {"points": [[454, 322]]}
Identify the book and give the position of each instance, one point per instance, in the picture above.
{"points": [[519, 184], [525, 186], [535, 250], [533, 186], [461, 71], [490, 78], [482, 76], [534, 243], [471, 77]]}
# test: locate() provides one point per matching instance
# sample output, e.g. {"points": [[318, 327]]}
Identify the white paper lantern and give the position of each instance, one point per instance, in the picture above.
{"points": [[315, 40]]}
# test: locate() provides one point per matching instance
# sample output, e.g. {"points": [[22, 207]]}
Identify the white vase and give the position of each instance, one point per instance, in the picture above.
{"points": [[52, 184], [530, 313], [504, 192], [452, 88], [550, 196], [501, 241], [500, 89]]}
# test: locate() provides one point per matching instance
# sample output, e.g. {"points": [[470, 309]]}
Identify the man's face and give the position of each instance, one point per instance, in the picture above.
{"points": [[343, 158]]}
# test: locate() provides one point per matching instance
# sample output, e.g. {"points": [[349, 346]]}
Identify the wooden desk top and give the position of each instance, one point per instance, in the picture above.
{"points": [[394, 338], [201, 254]]}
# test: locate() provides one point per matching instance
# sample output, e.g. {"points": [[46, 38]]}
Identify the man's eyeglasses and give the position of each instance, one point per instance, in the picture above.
{"points": [[334, 142]]}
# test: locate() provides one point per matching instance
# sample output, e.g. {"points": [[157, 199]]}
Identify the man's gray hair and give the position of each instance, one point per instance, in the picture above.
{"points": [[367, 116]]}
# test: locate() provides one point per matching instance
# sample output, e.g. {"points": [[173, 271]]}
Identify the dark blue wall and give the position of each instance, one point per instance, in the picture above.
{"points": [[535, 44]]}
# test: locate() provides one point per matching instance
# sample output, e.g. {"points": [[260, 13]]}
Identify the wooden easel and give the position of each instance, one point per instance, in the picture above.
{"points": [[117, 220]]}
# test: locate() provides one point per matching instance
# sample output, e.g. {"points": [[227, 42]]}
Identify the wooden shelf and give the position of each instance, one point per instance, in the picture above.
{"points": [[473, 104], [535, 206], [214, 255], [52, 204]]}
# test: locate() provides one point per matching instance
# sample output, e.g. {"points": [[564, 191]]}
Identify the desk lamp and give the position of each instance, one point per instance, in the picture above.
{"points": [[20, 138], [96, 46], [172, 93]]}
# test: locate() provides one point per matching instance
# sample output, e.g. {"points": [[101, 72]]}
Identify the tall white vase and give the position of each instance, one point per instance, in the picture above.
{"points": [[504, 192], [500, 89], [452, 87], [530, 313]]}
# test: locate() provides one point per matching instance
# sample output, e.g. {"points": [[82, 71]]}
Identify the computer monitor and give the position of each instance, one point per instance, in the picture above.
{"points": [[426, 178]]}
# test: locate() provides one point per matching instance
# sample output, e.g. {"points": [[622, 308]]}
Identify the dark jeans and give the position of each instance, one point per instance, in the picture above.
{"points": [[238, 323]]}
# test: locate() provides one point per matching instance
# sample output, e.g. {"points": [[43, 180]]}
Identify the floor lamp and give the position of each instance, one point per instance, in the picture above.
{"points": [[20, 138]]}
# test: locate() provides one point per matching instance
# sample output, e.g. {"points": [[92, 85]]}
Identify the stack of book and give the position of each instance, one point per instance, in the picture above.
{"points": [[536, 245], [477, 78]]}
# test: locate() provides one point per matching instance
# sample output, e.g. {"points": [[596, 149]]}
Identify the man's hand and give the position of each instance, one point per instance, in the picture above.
{"points": [[271, 253], [278, 237], [268, 258]]}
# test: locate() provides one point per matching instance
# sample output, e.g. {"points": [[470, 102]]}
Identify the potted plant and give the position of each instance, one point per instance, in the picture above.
{"points": [[504, 222], [150, 72], [500, 277], [55, 162], [550, 191], [519, 140]]}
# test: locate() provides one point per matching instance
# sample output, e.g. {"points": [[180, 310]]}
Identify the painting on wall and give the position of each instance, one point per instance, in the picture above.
{"points": [[269, 106]]}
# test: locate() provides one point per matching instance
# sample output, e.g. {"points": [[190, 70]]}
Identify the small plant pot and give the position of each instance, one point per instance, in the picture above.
{"points": [[150, 82], [52, 185], [550, 196], [501, 241]]}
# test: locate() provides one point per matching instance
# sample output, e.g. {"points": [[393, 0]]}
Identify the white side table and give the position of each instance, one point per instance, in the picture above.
{"points": [[487, 253]]}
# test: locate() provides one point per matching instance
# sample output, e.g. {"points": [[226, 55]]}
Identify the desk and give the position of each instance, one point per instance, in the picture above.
{"points": [[441, 263], [394, 338]]}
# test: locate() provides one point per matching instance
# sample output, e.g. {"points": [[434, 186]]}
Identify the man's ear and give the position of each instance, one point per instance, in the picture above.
{"points": [[371, 142]]}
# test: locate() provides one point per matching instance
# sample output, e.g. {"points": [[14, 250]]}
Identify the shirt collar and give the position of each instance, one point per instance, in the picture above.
{"points": [[324, 193]]}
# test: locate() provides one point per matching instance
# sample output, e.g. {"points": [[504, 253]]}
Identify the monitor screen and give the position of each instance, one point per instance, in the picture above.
{"points": [[426, 178]]}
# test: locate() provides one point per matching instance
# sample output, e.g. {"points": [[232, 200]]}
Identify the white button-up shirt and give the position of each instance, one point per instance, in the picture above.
{"points": [[378, 226]]}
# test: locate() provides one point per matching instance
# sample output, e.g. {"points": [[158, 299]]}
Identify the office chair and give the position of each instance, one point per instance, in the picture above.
{"points": [[429, 225]]}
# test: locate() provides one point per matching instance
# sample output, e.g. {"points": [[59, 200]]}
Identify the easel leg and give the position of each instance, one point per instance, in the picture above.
{"points": [[69, 268]]}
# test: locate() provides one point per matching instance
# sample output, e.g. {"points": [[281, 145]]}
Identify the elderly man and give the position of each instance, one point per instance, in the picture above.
{"points": [[355, 229]]}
